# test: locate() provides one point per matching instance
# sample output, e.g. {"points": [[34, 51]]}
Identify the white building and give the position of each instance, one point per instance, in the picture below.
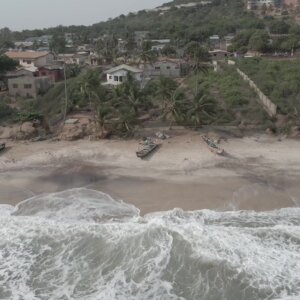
{"points": [[118, 75], [31, 58]]}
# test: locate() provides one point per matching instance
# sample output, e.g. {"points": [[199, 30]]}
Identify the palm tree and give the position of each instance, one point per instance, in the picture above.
{"points": [[165, 88], [200, 109], [175, 107], [103, 113], [126, 120], [89, 83], [130, 94], [147, 57], [106, 48], [197, 56]]}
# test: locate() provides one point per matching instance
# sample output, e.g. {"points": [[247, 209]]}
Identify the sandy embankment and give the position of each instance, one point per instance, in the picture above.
{"points": [[259, 172]]}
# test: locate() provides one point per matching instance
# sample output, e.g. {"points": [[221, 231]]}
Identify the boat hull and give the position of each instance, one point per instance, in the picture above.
{"points": [[145, 152], [212, 146], [2, 147]]}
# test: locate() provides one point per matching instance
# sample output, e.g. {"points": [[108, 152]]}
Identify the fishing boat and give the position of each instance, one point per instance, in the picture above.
{"points": [[212, 146], [2, 147], [148, 146]]}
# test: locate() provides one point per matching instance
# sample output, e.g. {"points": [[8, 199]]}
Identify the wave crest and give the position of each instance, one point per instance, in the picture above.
{"points": [[82, 244]]}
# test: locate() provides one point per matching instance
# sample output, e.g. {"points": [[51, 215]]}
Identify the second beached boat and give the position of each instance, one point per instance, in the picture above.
{"points": [[212, 146], [148, 147]]}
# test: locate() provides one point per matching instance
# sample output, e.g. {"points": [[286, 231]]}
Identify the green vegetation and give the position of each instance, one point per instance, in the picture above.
{"points": [[6, 112], [235, 102], [6, 64], [206, 97], [180, 25], [279, 80]]}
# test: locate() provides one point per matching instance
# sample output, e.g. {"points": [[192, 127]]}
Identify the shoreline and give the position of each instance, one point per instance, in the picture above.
{"points": [[256, 173]]}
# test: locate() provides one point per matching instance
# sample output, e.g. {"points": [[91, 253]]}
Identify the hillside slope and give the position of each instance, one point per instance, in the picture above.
{"points": [[194, 23]]}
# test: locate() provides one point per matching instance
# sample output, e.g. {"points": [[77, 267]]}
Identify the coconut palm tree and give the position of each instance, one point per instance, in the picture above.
{"points": [[131, 95], [147, 57], [126, 120], [197, 57], [200, 109], [175, 107], [89, 83], [104, 113], [165, 88], [168, 94]]}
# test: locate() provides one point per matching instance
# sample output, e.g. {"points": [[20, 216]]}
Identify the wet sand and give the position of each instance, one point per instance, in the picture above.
{"points": [[150, 195], [182, 174]]}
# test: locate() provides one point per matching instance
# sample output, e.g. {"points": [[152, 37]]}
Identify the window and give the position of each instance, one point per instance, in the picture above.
{"points": [[27, 61], [110, 77], [157, 68], [116, 78], [15, 86], [27, 86], [120, 78], [168, 67]]}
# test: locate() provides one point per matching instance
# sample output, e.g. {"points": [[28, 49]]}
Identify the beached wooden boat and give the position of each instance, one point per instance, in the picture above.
{"points": [[212, 146], [2, 147], [148, 147]]}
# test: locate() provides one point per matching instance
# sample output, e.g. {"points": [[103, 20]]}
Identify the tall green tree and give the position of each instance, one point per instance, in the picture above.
{"points": [[131, 95], [7, 64], [175, 110], [200, 109], [6, 39], [169, 50], [165, 88], [259, 41], [106, 48], [89, 82], [148, 57], [197, 56], [58, 43]]}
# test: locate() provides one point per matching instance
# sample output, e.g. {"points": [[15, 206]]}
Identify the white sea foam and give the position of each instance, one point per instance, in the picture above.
{"points": [[82, 244]]}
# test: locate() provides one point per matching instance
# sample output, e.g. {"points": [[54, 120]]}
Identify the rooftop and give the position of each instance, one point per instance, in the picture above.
{"points": [[124, 67], [26, 54]]}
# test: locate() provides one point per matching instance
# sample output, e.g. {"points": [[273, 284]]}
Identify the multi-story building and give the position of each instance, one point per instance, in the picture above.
{"points": [[29, 86], [31, 58]]}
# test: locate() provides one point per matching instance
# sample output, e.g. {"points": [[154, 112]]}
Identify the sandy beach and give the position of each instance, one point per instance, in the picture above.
{"points": [[258, 172]]}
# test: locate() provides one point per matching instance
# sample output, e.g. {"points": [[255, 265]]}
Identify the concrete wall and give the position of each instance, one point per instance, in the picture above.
{"points": [[45, 60], [28, 87], [267, 104], [167, 69]]}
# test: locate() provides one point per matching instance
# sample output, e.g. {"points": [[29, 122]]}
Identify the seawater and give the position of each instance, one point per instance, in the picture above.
{"points": [[82, 244]]}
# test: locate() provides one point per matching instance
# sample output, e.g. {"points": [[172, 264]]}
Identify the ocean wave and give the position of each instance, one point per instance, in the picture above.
{"points": [[82, 244]]}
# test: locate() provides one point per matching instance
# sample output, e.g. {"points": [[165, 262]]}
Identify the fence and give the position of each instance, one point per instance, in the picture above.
{"points": [[267, 104]]}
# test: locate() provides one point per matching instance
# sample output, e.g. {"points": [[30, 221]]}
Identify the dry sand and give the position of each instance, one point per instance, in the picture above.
{"points": [[259, 172]]}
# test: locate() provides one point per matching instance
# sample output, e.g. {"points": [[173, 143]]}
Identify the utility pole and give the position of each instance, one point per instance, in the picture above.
{"points": [[66, 93]]}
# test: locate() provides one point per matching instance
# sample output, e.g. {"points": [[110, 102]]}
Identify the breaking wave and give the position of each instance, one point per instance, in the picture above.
{"points": [[82, 244]]}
